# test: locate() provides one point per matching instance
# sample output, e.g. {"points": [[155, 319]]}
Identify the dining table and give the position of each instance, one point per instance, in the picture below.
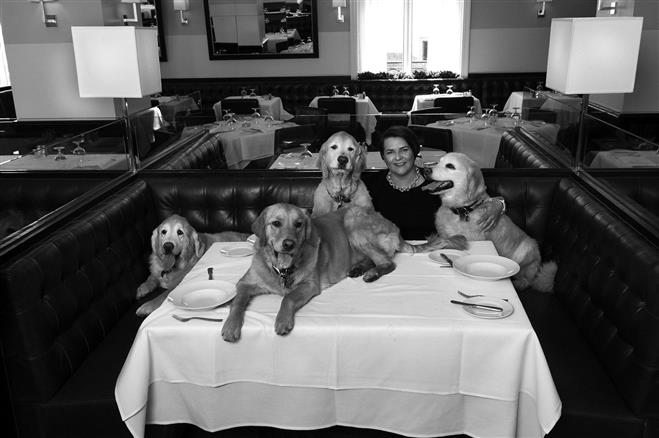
{"points": [[247, 140], [268, 104], [365, 112], [395, 354], [625, 158], [480, 140], [423, 101], [88, 161], [297, 161]]}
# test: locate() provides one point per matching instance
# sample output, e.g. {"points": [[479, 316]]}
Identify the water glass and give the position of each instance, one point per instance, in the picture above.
{"points": [[305, 152], [79, 150], [252, 92], [471, 114], [60, 156], [243, 92], [346, 92], [335, 90]]}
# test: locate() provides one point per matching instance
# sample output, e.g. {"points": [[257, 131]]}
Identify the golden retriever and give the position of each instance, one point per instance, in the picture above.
{"points": [[459, 182], [341, 161], [297, 256], [175, 248]]}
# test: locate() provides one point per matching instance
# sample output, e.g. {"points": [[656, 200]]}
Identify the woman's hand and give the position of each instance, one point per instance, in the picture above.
{"points": [[492, 211]]}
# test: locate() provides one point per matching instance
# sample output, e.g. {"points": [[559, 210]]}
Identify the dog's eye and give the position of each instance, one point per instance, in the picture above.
{"points": [[350, 149], [276, 224], [334, 146], [163, 232], [450, 166], [297, 224], [179, 232]]}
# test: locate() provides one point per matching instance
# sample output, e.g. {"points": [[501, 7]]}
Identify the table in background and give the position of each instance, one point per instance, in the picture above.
{"points": [[480, 141], [622, 158], [423, 101], [522, 100], [272, 38], [393, 355], [366, 112], [242, 145], [294, 161], [72, 162], [567, 108], [272, 105]]}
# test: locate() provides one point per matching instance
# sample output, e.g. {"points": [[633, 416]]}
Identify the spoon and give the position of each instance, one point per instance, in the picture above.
{"points": [[188, 318]]}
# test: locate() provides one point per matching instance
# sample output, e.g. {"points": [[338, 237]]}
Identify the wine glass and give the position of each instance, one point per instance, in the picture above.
{"points": [[450, 89], [227, 115], [243, 92], [435, 88], [492, 115], [60, 156], [335, 90], [305, 152], [256, 114], [252, 92], [471, 114], [79, 150], [346, 92], [538, 89], [268, 118], [515, 116]]}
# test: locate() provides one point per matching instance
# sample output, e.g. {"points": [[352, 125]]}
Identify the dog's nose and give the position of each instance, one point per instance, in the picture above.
{"points": [[343, 160], [168, 247], [288, 244]]}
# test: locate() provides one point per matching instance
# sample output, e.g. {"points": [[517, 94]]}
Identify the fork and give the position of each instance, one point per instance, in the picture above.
{"points": [[474, 296], [188, 318]]}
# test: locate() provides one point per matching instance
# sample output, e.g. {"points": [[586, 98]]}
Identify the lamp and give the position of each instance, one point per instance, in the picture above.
{"points": [[338, 4], [117, 62], [125, 18], [49, 20], [541, 12], [592, 56], [180, 6]]}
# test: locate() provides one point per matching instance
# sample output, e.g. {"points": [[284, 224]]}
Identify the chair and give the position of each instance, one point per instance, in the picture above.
{"points": [[454, 104], [308, 115], [294, 136], [427, 115], [239, 106], [342, 116], [540, 114], [433, 138]]}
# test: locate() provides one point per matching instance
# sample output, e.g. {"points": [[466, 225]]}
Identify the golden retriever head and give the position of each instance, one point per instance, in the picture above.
{"points": [[175, 239], [457, 179], [283, 230], [341, 154]]}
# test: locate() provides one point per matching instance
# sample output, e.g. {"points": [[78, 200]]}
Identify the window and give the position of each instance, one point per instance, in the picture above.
{"points": [[402, 36]]}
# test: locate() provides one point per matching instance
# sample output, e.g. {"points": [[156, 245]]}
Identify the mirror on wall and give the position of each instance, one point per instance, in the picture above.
{"points": [[244, 29], [152, 16]]}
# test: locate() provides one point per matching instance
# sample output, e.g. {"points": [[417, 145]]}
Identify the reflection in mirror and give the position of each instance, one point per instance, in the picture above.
{"points": [[261, 29], [152, 16]]}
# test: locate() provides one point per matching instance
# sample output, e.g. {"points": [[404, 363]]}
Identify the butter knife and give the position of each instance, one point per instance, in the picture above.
{"points": [[480, 306], [445, 257]]}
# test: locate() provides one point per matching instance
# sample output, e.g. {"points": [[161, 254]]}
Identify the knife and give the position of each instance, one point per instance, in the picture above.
{"points": [[481, 306], [445, 257]]}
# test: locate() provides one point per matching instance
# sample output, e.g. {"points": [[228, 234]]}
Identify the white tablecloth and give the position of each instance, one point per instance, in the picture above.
{"points": [[366, 112], [294, 161], [423, 101], [621, 158], [273, 106], [481, 142], [522, 100], [243, 145], [393, 355], [72, 162]]}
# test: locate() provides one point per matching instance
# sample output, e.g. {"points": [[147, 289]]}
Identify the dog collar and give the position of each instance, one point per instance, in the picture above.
{"points": [[284, 274], [341, 199], [463, 212]]}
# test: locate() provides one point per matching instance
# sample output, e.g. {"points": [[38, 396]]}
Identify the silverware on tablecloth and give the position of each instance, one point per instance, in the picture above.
{"points": [[474, 296], [480, 306], [210, 273], [188, 318], [445, 257]]}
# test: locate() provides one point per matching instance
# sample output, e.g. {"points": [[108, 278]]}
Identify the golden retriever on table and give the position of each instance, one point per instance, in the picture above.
{"points": [[459, 182], [341, 161], [298, 256], [175, 248]]}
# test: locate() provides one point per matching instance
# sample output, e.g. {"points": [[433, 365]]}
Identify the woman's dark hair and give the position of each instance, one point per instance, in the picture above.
{"points": [[403, 132]]}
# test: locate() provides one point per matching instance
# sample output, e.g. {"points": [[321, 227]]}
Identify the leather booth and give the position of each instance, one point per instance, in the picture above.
{"points": [[514, 152], [68, 309]]}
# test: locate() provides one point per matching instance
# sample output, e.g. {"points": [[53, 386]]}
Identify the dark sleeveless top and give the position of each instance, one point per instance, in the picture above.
{"points": [[412, 211]]}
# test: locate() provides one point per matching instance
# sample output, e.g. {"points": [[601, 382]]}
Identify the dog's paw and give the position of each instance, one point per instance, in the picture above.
{"points": [[142, 291], [457, 241], [146, 309], [356, 271], [284, 323], [371, 275], [231, 329]]}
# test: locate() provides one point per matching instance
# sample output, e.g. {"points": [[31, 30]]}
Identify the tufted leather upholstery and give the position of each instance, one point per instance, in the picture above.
{"points": [[643, 190], [515, 153], [67, 313], [207, 153]]}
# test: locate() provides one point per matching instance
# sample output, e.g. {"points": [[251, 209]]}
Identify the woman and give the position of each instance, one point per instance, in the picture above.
{"points": [[397, 192]]}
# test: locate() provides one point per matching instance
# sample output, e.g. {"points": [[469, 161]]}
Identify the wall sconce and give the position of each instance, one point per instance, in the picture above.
{"points": [[541, 12], [180, 6], [125, 18], [49, 20], [611, 8], [338, 4]]}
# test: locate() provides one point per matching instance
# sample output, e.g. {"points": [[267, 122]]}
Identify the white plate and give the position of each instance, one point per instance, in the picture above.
{"points": [[489, 301], [453, 254], [486, 267], [242, 250], [202, 295], [252, 239]]}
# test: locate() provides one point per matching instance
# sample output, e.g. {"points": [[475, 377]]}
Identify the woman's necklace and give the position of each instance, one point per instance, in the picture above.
{"points": [[417, 177]]}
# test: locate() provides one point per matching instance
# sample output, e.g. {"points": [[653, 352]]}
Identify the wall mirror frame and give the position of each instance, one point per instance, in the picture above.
{"points": [[269, 29], [152, 16]]}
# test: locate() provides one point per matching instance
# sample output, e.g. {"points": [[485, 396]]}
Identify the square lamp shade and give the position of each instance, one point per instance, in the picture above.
{"points": [[593, 55], [116, 61]]}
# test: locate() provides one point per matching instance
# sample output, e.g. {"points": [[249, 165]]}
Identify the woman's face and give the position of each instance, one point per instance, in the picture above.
{"points": [[398, 156]]}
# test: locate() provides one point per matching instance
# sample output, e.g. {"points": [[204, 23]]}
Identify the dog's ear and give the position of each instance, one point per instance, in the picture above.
{"points": [[258, 226], [475, 181], [198, 244], [322, 160], [154, 239], [311, 235], [360, 160]]}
